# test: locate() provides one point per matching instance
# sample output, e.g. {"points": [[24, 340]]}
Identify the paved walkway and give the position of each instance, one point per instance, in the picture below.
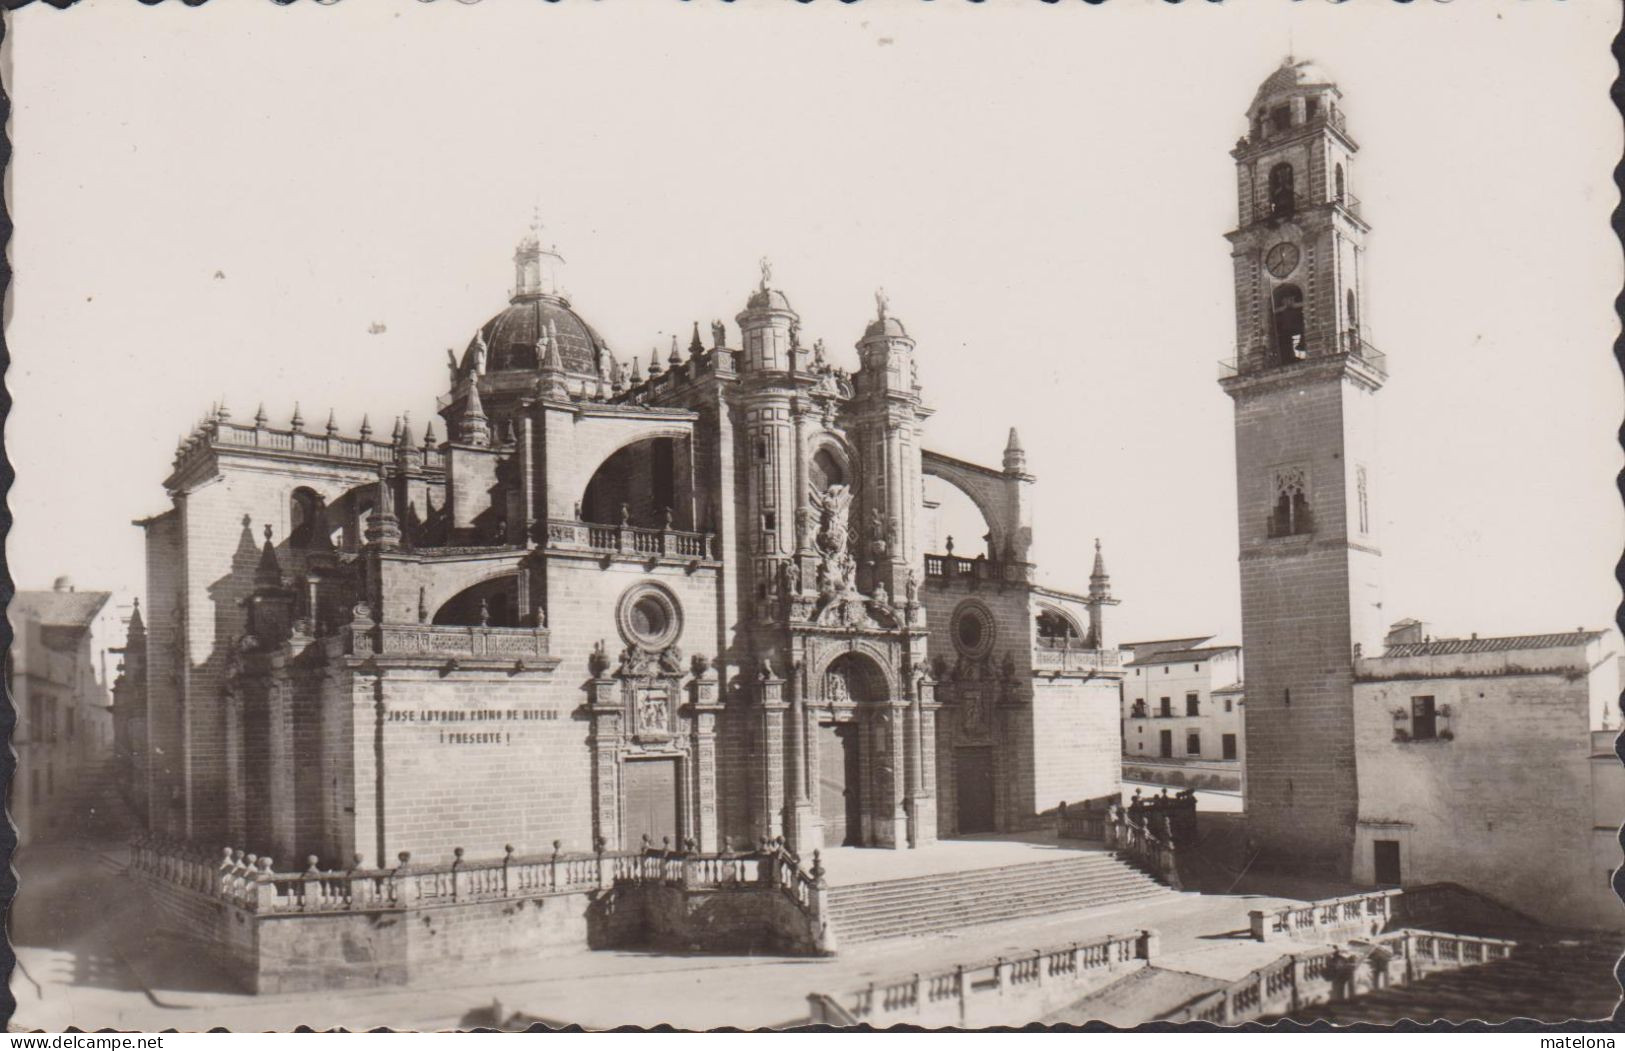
{"points": [[88, 959]]}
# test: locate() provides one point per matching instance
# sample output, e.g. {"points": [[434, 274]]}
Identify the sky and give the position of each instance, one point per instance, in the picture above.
{"points": [[219, 202]]}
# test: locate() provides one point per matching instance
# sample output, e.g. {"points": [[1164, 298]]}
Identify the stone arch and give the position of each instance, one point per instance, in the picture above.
{"points": [[987, 489], [580, 451], [453, 578], [493, 601], [1053, 622], [873, 668], [838, 449]]}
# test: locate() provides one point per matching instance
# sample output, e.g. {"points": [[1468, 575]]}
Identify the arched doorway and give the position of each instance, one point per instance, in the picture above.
{"points": [[852, 760]]}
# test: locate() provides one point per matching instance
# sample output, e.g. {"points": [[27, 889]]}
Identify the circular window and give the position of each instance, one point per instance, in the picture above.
{"points": [[648, 617], [973, 629]]}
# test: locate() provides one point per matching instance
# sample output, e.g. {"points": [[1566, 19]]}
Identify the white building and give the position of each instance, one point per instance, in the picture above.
{"points": [[1182, 714]]}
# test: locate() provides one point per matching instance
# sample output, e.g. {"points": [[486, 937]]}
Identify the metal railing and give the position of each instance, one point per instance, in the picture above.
{"points": [[1260, 357]]}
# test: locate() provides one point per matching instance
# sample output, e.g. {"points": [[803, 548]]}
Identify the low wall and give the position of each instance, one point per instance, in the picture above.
{"points": [[1010, 990], [1331, 973], [292, 932]]}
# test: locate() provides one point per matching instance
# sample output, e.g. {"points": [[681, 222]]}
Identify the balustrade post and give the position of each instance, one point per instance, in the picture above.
{"points": [[263, 898], [1261, 925], [1147, 945]]}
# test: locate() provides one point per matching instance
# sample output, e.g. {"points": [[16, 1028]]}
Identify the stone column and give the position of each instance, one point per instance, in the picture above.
{"points": [[281, 757], [236, 830], [706, 708], [526, 526], [891, 776], [804, 834], [923, 806], [608, 717], [770, 820]]}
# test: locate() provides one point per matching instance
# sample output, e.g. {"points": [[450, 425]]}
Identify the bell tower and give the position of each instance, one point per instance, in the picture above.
{"points": [[1304, 381]]}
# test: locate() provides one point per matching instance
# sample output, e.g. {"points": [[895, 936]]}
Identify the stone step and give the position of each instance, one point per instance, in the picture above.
{"points": [[977, 879], [1096, 859], [1052, 891], [947, 901], [957, 921]]}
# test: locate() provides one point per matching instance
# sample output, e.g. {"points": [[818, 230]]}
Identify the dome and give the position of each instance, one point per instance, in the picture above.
{"points": [[768, 299], [1291, 78], [511, 337], [885, 326]]}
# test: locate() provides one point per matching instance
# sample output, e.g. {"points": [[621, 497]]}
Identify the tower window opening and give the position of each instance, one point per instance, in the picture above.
{"points": [[1360, 485], [1287, 312], [1283, 201], [1342, 188], [1289, 515], [1281, 117], [1352, 312], [1310, 108]]}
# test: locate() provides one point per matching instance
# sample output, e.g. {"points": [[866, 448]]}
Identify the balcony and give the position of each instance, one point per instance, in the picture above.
{"points": [[947, 569], [1260, 357], [633, 541]]}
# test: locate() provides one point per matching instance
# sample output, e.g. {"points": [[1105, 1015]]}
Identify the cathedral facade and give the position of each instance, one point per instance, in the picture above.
{"points": [[686, 604]]}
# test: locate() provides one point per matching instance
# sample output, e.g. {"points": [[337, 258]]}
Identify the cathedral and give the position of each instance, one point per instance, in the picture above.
{"points": [[684, 604]]}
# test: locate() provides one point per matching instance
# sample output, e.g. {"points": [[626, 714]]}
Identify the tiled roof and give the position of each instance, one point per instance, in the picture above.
{"points": [[58, 609], [1181, 656], [1441, 647], [1150, 646], [1235, 687]]}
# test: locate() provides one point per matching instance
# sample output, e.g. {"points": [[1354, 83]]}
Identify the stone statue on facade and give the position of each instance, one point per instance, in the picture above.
{"points": [[878, 533], [790, 577], [911, 587], [719, 334], [835, 568]]}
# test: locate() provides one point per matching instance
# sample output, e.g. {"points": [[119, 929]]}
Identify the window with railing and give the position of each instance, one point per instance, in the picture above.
{"points": [[1423, 720], [1165, 709], [1193, 704]]}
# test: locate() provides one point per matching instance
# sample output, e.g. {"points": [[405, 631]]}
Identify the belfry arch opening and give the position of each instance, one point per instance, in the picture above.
{"points": [[1283, 199], [1286, 307], [648, 484]]}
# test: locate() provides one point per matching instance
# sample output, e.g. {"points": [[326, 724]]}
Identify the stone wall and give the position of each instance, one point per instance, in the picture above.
{"points": [[1077, 753], [1306, 600], [1503, 807]]}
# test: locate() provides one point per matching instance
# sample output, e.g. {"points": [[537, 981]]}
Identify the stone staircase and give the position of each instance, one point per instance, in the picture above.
{"points": [[917, 905]]}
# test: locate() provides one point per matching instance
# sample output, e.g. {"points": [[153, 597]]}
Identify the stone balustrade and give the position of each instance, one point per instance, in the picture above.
{"points": [[1006, 990], [1329, 919], [246, 880], [225, 434], [1336, 973], [452, 641], [631, 541]]}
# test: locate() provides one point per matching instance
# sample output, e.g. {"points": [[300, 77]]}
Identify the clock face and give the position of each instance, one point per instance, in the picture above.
{"points": [[1282, 259]]}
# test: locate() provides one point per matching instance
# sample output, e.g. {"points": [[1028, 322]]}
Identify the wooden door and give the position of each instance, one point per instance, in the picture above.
{"points": [[840, 803], [973, 779], [649, 805]]}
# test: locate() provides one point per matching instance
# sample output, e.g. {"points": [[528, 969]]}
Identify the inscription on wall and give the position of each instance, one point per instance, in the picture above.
{"points": [[452, 726]]}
